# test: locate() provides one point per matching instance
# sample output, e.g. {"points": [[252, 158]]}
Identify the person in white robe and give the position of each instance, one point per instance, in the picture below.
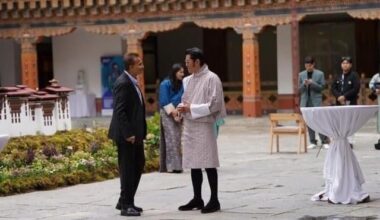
{"points": [[202, 105]]}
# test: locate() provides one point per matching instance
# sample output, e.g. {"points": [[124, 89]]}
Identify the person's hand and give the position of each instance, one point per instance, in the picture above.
{"points": [[308, 82], [377, 91], [174, 113], [178, 118], [341, 99], [183, 107], [131, 139]]}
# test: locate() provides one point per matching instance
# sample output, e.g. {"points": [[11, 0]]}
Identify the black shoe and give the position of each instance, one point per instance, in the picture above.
{"points": [[352, 146], [130, 211], [177, 171], [211, 206], [138, 208], [365, 200], [118, 207], [331, 202], [193, 204]]}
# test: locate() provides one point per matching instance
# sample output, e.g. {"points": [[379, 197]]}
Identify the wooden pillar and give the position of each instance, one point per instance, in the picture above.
{"points": [[251, 75], [133, 44], [295, 55], [29, 70]]}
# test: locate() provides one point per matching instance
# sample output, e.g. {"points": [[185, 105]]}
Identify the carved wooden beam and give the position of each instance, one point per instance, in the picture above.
{"points": [[38, 32], [12, 11], [365, 14], [242, 23], [122, 29]]}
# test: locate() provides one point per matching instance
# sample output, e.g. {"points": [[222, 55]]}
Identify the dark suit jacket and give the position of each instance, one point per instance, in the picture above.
{"points": [[351, 87], [128, 117]]}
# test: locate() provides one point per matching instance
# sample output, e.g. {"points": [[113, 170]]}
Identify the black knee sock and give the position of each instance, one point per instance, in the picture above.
{"points": [[212, 176], [197, 179]]}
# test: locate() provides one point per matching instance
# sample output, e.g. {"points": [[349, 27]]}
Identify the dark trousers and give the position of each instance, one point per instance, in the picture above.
{"points": [[324, 139], [131, 161], [197, 179]]}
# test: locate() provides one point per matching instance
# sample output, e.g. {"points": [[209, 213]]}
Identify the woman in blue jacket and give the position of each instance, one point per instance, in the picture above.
{"points": [[171, 90]]}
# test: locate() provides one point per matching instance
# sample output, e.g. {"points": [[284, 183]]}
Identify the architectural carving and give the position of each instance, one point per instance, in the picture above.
{"points": [[251, 74], [27, 32], [70, 10], [29, 70], [365, 14], [133, 28]]}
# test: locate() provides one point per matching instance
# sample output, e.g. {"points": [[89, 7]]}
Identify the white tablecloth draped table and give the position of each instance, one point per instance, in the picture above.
{"points": [[3, 140], [342, 173], [82, 104]]}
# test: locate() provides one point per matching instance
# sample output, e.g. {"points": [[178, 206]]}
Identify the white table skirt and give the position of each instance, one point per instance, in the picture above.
{"points": [[3, 140], [342, 173], [82, 105]]}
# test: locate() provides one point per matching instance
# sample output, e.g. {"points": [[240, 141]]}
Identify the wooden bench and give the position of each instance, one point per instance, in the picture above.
{"points": [[277, 129]]}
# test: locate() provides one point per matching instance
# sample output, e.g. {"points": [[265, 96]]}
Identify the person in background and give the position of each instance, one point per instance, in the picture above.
{"points": [[311, 83], [374, 85], [171, 90], [346, 86]]}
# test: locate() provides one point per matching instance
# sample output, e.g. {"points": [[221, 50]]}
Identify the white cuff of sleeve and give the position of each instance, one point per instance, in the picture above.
{"points": [[169, 108], [199, 110]]}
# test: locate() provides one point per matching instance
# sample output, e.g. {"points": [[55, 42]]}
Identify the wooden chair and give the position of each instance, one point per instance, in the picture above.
{"points": [[278, 129]]}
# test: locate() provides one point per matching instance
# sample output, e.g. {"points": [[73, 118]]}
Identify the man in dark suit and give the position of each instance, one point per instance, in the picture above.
{"points": [[128, 130]]}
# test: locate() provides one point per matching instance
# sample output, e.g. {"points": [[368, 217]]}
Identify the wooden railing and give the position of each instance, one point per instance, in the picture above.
{"points": [[233, 95]]}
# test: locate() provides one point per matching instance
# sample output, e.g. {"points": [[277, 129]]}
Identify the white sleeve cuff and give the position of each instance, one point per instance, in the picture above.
{"points": [[199, 110], [169, 108]]}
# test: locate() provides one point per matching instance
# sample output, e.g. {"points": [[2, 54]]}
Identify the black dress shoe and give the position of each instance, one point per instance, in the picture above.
{"points": [[365, 200], [331, 202], [193, 204], [211, 206], [138, 208], [130, 211], [177, 171], [118, 207]]}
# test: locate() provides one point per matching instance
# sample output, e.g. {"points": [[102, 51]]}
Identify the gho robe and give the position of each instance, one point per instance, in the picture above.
{"points": [[204, 92]]}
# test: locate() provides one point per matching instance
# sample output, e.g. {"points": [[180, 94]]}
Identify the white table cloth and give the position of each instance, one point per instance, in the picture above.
{"points": [[82, 104], [342, 173], [3, 140]]}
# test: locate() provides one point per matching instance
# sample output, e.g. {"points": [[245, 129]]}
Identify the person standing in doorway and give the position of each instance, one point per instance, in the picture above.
{"points": [[374, 85], [171, 90], [311, 83], [202, 105], [128, 130], [346, 86]]}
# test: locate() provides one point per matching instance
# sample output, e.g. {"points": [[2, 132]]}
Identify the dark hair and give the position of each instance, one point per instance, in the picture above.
{"points": [[309, 59], [130, 59], [173, 76], [347, 58], [196, 54]]}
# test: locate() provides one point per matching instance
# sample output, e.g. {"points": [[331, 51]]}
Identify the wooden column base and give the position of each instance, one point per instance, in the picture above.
{"points": [[287, 102], [252, 107]]}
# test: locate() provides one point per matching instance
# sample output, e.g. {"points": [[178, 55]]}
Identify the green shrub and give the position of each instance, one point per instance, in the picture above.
{"points": [[67, 158]]}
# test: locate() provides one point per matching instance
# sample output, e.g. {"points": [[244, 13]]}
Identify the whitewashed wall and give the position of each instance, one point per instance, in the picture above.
{"points": [[10, 69], [81, 50], [284, 60]]}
